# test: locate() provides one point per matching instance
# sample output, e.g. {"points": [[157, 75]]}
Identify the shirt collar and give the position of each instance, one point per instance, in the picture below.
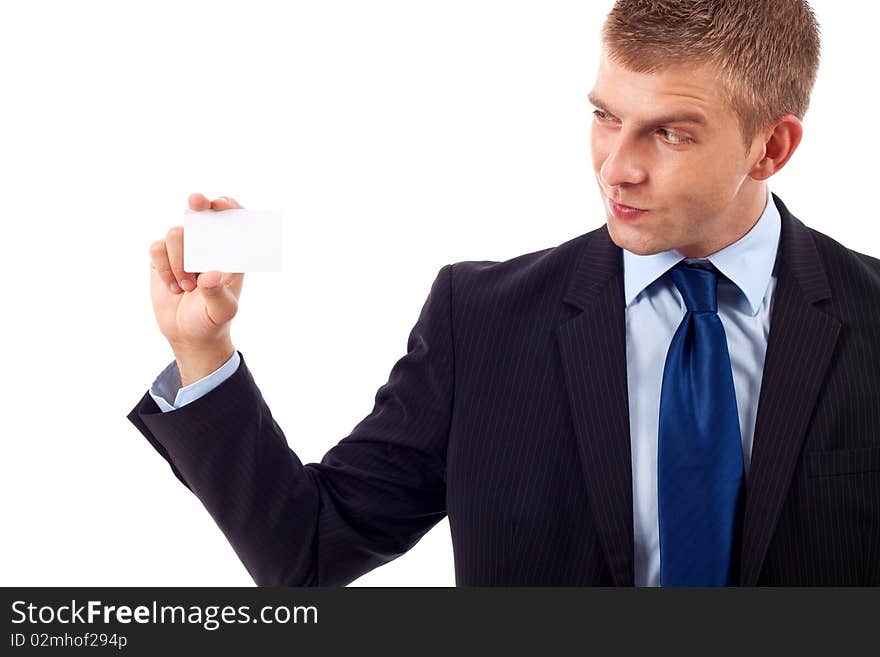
{"points": [[748, 262]]}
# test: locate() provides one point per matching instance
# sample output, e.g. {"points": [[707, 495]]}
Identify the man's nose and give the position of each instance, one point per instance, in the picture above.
{"points": [[625, 163]]}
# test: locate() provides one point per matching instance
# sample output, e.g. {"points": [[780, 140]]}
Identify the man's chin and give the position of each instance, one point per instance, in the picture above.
{"points": [[625, 240]]}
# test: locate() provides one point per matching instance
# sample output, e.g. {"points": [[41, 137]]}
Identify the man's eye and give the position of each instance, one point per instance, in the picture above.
{"points": [[676, 138]]}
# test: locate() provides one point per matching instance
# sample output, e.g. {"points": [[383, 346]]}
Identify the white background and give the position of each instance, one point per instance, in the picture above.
{"points": [[395, 137]]}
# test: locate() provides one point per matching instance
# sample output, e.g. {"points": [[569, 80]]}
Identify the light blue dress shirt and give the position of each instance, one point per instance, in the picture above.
{"points": [[654, 309], [167, 384]]}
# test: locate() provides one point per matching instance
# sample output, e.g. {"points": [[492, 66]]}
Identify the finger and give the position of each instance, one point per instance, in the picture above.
{"points": [[160, 264], [174, 246], [225, 203], [234, 282], [198, 202], [220, 303], [208, 280]]}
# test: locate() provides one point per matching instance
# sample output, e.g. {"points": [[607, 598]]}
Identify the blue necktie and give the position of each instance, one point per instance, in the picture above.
{"points": [[700, 477]]}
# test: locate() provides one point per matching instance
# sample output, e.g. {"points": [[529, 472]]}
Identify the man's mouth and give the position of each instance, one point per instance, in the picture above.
{"points": [[625, 212]]}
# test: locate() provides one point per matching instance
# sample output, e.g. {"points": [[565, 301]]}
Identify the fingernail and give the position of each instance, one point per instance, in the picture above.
{"points": [[187, 285], [175, 288]]}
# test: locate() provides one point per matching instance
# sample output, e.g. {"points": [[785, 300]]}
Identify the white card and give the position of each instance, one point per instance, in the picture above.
{"points": [[232, 240]]}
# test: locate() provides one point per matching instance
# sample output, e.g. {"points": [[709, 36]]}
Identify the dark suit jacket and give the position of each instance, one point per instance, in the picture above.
{"points": [[509, 414]]}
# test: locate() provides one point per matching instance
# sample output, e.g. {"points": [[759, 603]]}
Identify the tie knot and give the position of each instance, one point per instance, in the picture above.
{"points": [[698, 284]]}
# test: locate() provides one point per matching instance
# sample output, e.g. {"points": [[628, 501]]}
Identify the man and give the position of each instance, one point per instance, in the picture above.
{"points": [[683, 396]]}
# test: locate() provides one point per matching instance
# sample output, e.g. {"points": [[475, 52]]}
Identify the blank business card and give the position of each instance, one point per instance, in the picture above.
{"points": [[232, 240]]}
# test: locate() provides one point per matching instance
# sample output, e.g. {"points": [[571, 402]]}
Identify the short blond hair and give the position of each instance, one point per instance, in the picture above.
{"points": [[766, 52]]}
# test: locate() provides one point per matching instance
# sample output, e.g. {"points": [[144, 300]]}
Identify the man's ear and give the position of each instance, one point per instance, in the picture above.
{"points": [[781, 141]]}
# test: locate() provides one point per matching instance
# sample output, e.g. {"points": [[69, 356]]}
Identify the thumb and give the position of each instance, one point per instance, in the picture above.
{"points": [[220, 303]]}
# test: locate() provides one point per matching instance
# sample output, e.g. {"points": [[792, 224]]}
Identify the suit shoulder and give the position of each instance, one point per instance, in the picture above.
{"points": [[854, 279], [536, 272], [846, 266]]}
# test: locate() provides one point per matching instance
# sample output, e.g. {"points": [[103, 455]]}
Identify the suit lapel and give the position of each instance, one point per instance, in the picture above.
{"points": [[593, 350], [799, 349]]}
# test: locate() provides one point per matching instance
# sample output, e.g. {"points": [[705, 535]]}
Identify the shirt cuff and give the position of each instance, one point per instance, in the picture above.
{"points": [[167, 384]]}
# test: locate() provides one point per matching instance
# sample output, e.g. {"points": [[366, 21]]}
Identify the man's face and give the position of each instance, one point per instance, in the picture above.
{"points": [[692, 178]]}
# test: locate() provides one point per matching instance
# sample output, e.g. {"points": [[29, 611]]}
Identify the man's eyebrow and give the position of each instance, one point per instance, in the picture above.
{"points": [[677, 117]]}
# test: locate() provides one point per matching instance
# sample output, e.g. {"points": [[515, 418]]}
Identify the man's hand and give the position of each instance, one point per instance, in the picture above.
{"points": [[194, 310]]}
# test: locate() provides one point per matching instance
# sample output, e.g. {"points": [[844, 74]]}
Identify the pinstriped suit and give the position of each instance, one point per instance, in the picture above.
{"points": [[509, 413]]}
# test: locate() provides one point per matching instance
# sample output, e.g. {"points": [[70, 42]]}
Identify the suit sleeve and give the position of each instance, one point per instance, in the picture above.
{"points": [[370, 499]]}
